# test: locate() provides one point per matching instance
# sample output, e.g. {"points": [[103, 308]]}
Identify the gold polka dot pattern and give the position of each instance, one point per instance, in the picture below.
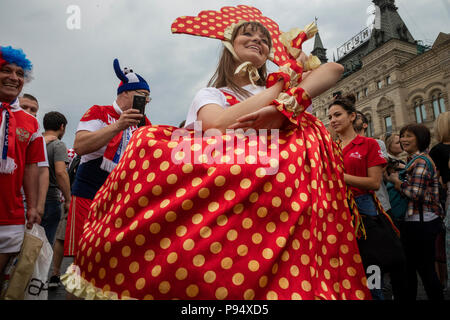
{"points": [[224, 230], [212, 24]]}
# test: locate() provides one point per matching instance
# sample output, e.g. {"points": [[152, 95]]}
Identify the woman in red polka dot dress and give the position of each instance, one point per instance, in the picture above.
{"points": [[213, 213]]}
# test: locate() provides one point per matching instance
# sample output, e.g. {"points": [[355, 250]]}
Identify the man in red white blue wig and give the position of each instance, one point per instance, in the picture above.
{"points": [[21, 148]]}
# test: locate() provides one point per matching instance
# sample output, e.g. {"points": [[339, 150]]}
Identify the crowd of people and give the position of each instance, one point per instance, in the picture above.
{"points": [[145, 222]]}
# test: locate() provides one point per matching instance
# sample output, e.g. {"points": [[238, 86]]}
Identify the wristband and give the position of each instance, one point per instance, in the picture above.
{"points": [[312, 63], [290, 73], [292, 103]]}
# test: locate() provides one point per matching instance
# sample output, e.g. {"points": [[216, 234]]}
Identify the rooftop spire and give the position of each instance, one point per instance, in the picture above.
{"points": [[392, 25], [319, 49]]}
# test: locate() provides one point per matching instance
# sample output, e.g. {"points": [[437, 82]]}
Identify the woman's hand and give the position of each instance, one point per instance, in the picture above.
{"points": [[395, 180], [393, 177], [265, 118]]}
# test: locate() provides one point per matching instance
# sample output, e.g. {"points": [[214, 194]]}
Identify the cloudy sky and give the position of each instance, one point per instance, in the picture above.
{"points": [[73, 66]]}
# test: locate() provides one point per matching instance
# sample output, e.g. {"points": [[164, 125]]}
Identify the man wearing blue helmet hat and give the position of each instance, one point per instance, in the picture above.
{"points": [[102, 136], [21, 148]]}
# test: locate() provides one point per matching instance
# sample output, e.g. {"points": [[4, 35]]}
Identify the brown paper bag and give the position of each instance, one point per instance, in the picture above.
{"points": [[23, 270]]}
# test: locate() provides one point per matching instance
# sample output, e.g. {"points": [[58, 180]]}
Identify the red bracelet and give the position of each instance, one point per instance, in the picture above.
{"points": [[301, 96], [298, 41], [290, 72], [274, 77]]}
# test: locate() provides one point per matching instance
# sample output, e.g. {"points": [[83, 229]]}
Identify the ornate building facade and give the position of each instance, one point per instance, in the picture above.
{"points": [[395, 79]]}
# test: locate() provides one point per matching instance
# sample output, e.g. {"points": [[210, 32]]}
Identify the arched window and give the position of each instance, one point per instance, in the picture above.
{"points": [[419, 109], [438, 104], [388, 80], [388, 124], [379, 84]]}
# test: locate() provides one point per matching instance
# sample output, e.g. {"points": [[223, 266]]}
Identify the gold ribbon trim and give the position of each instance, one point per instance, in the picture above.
{"points": [[292, 74], [84, 289], [290, 103], [312, 63], [248, 67], [286, 38]]}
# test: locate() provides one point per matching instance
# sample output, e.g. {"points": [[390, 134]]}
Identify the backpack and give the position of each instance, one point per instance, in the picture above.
{"points": [[72, 171], [399, 203]]}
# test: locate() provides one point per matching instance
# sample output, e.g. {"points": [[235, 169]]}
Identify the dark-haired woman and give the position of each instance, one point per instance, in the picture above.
{"points": [[363, 165], [363, 159], [422, 221]]}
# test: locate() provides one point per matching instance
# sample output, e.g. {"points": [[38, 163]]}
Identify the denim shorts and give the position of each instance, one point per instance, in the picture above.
{"points": [[50, 220], [366, 205]]}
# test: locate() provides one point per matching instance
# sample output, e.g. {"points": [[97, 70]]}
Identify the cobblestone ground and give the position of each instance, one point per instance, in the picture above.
{"points": [[60, 293]]}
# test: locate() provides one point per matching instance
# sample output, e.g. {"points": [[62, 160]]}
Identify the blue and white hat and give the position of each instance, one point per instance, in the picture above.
{"points": [[129, 79]]}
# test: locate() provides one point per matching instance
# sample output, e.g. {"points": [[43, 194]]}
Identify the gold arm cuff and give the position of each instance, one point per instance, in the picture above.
{"points": [[312, 63], [292, 74], [290, 103]]}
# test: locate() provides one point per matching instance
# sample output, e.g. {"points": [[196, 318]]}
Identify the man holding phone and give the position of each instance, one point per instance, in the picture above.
{"points": [[102, 136]]}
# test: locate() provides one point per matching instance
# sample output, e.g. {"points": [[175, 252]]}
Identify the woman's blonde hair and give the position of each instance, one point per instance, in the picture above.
{"points": [[443, 127], [390, 140], [224, 75]]}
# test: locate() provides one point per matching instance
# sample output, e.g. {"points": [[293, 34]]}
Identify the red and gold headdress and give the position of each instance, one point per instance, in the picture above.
{"points": [[286, 47], [220, 25]]}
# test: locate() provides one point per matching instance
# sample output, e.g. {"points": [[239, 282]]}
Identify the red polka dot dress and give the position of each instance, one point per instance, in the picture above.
{"points": [[227, 217]]}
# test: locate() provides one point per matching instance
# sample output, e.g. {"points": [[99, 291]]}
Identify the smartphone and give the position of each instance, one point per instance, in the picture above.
{"points": [[139, 104]]}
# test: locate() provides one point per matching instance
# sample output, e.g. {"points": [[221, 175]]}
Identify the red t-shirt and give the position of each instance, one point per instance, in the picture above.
{"points": [[359, 155], [29, 149]]}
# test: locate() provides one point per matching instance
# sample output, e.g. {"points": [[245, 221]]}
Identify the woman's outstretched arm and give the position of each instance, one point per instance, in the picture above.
{"points": [[317, 82], [214, 116], [322, 78]]}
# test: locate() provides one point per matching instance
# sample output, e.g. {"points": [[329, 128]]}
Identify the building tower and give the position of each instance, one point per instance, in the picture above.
{"points": [[319, 51], [392, 25]]}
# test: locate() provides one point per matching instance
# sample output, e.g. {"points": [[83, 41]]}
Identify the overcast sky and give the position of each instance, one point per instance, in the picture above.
{"points": [[73, 67]]}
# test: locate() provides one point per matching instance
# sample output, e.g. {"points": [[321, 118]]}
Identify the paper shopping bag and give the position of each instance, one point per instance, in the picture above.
{"points": [[24, 268]]}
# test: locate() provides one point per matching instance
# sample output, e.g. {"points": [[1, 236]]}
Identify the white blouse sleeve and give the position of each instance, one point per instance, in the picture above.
{"points": [[203, 97]]}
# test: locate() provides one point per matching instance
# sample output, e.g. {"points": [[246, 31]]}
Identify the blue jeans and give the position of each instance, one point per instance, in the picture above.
{"points": [[366, 205], [50, 220]]}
